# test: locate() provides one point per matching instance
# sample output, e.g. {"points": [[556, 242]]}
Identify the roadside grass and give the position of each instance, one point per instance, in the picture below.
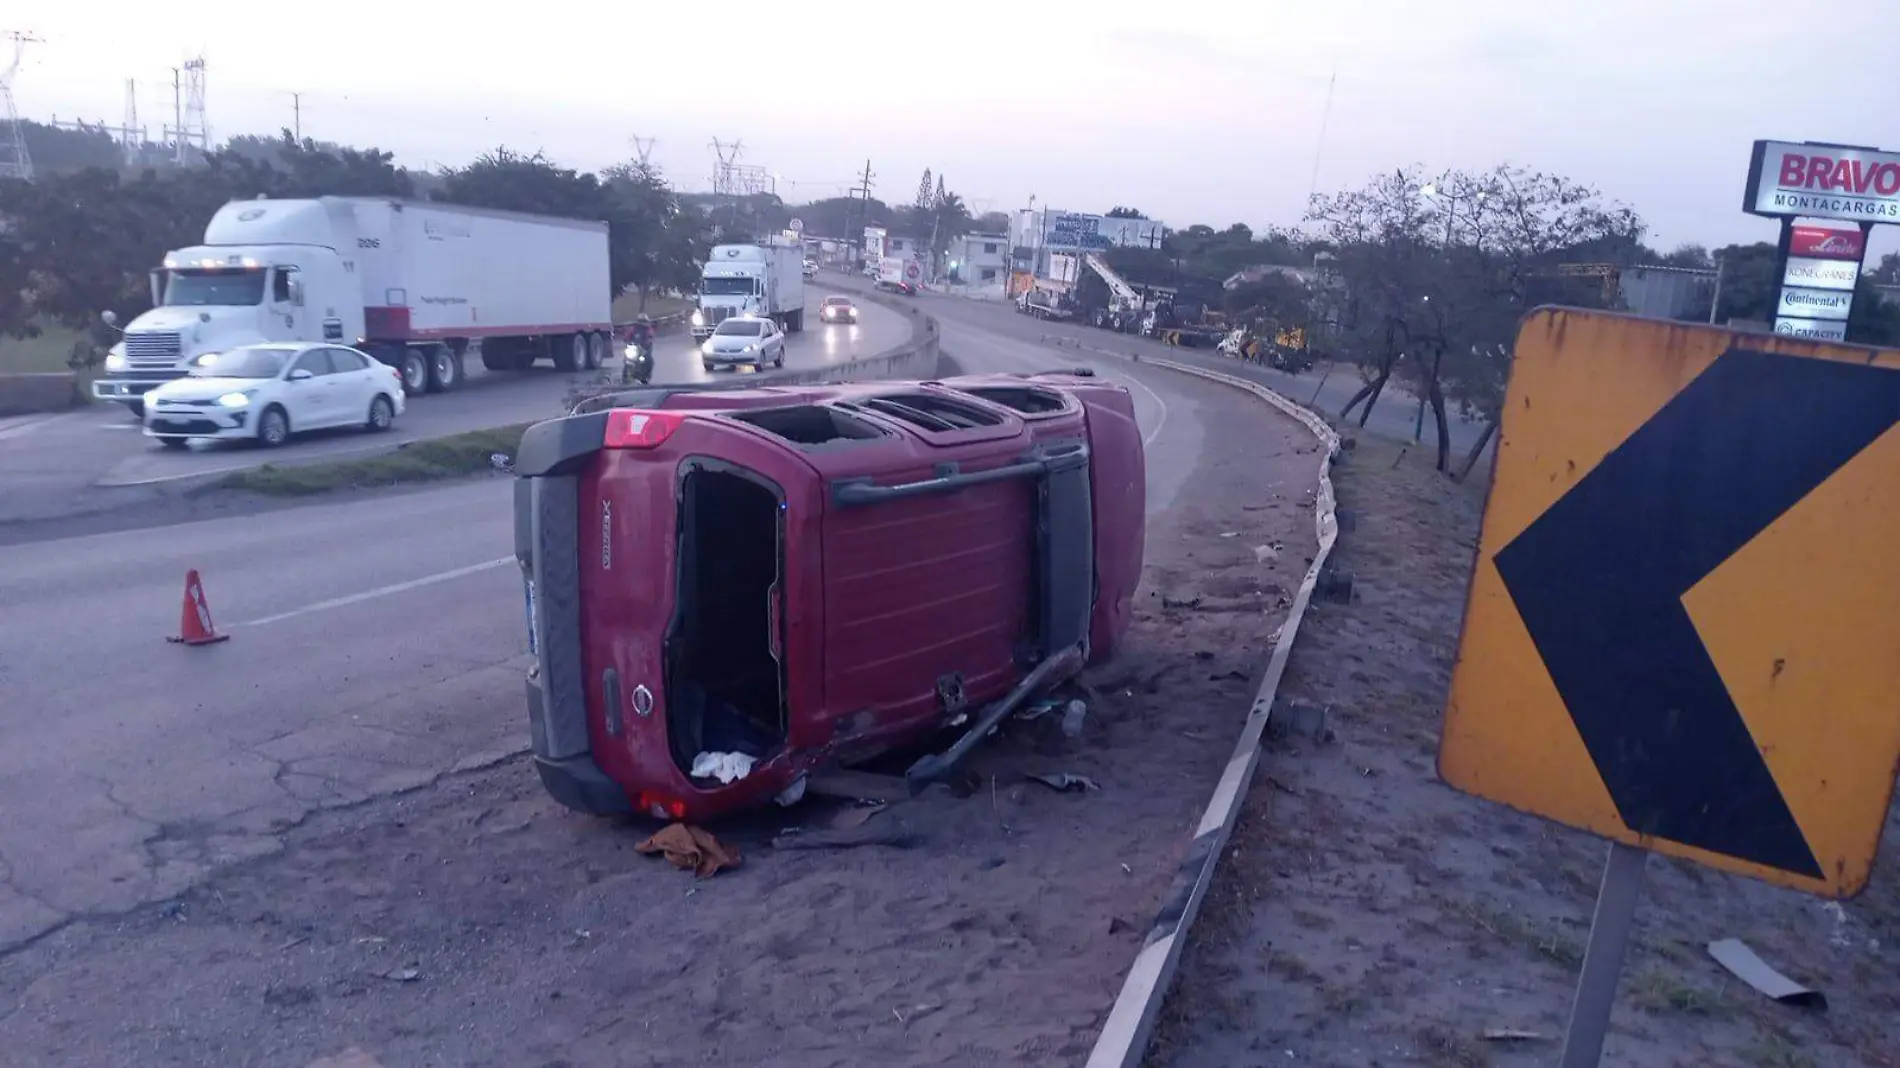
{"points": [[429, 460], [36, 355], [627, 305]]}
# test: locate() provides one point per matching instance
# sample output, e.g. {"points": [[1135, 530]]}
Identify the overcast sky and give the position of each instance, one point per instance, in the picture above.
{"points": [[1192, 111]]}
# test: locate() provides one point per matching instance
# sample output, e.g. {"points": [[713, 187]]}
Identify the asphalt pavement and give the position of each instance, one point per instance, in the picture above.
{"points": [[97, 458], [376, 644], [1325, 389]]}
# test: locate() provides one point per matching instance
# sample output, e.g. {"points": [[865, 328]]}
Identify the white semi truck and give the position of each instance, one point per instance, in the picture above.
{"points": [[412, 283], [765, 279]]}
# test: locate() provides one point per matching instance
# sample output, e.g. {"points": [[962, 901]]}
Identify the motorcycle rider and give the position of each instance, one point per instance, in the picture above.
{"points": [[639, 363]]}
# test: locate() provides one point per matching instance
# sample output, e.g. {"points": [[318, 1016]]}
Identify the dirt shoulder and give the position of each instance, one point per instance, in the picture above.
{"points": [[475, 923], [1366, 914]]}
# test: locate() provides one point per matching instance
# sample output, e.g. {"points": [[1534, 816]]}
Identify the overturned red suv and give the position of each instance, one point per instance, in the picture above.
{"points": [[730, 589]]}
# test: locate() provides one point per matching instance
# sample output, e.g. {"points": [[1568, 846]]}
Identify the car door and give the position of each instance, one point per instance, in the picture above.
{"points": [[311, 401], [774, 342], [354, 386]]}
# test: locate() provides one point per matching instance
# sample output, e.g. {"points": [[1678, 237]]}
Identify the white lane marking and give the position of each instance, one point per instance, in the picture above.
{"points": [[1149, 438], [382, 591], [26, 425]]}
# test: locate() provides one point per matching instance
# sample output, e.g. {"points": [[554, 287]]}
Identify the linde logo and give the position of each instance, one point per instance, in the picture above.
{"points": [[1826, 243]]}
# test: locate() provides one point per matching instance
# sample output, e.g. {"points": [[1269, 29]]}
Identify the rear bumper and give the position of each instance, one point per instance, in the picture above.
{"points": [[576, 781]]}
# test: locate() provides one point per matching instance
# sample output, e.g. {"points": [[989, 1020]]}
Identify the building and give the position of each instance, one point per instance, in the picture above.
{"points": [[979, 259], [1037, 232]]}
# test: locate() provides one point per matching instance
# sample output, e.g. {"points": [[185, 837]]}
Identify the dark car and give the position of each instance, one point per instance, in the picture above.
{"points": [[729, 590], [838, 310]]}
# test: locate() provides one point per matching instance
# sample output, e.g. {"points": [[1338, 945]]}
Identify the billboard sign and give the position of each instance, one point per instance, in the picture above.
{"points": [[1786, 179], [1827, 243], [1801, 303], [874, 243], [1815, 273], [1812, 329]]}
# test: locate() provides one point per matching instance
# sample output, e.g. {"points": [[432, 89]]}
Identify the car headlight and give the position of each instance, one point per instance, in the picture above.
{"points": [[699, 318], [234, 400], [115, 362]]}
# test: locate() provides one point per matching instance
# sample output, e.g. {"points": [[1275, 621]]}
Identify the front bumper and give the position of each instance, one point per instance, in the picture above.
{"points": [[848, 318], [733, 359], [130, 387], [197, 421]]}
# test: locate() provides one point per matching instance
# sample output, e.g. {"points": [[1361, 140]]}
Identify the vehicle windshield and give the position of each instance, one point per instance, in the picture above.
{"points": [[838, 302], [241, 363], [237, 287], [739, 328], [727, 287]]}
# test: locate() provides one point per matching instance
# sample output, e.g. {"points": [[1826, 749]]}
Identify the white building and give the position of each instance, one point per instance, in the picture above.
{"points": [[980, 259]]}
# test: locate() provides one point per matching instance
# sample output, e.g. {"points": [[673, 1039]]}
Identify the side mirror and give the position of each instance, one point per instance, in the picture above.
{"points": [[296, 292], [299, 375], [109, 317]]}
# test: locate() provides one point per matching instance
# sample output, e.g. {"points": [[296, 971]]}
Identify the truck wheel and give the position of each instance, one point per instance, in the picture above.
{"points": [[570, 353], [795, 322], [498, 360], [445, 369], [137, 408], [596, 351], [414, 368]]}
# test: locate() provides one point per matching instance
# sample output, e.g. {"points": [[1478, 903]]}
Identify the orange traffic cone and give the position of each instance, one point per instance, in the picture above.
{"points": [[195, 627]]}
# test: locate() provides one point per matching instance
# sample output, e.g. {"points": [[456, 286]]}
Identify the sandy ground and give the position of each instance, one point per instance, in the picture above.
{"points": [[475, 923], [1368, 915]]}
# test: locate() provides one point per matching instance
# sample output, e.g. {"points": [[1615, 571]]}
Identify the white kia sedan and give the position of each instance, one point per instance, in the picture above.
{"points": [[268, 392]]}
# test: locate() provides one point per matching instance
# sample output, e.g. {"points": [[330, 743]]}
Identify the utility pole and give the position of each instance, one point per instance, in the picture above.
{"points": [[855, 238], [296, 116]]}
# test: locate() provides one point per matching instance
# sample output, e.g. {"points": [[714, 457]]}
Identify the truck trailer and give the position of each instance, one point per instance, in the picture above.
{"points": [[766, 279], [412, 283]]}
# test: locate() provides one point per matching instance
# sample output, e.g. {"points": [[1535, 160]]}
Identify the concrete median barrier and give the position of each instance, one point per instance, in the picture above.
{"points": [[27, 394]]}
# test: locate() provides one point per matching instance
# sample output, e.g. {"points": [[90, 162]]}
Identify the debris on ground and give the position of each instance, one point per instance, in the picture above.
{"points": [[691, 848], [1744, 964], [1064, 782]]}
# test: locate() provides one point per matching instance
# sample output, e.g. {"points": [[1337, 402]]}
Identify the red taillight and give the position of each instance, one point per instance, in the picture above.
{"points": [[632, 428], [660, 806]]}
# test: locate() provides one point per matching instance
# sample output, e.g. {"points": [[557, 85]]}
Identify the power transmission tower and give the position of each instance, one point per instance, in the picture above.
{"points": [[131, 134], [643, 147], [15, 161], [188, 112], [728, 157]]}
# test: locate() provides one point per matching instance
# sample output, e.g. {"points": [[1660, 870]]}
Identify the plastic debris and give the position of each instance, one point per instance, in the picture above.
{"points": [[726, 767]]}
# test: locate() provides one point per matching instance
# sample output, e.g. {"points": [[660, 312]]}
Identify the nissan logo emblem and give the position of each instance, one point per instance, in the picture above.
{"points": [[642, 701]]}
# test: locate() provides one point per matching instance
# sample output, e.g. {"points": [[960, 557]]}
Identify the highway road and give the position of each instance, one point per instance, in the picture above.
{"points": [[96, 458], [1325, 389], [376, 644]]}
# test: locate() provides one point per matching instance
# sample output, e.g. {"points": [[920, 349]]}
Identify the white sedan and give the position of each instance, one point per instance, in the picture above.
{"points": [[744, 339], [267, 392]]}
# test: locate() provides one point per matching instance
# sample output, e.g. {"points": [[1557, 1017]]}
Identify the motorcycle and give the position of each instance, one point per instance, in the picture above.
{"points": [[637, 367]]}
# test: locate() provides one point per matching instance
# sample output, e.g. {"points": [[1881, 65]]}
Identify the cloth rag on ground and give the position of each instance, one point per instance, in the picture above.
{"points": [[691, 848]]}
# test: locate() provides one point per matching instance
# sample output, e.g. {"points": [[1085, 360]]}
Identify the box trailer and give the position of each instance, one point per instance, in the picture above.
{"points": [[413, 283]]}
